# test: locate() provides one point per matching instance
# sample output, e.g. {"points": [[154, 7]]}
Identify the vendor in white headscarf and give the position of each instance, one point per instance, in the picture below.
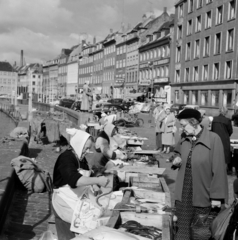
{"points": [[70, 178], [106, 147]]}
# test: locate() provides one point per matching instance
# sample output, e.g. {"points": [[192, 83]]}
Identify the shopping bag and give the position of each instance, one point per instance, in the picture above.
{"points": [[221, 222], [200, 226]]}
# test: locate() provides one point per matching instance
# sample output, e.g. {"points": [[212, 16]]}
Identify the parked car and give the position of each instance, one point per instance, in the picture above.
{"points": [[66, 102], [115, 100], [76, 106], [177, 107]]}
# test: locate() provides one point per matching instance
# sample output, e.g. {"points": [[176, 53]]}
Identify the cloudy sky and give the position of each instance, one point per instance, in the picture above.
{"points": [[43, 27]]}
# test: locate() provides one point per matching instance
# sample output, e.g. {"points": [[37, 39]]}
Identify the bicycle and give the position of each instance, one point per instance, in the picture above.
{"points": [[130, 120]]}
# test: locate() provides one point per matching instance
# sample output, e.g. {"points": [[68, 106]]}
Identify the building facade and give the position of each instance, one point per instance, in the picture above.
{"points": [[30, 80], [109, 64], [98, 67], [120, 71], [62, 72], [8, 80], [154, 59], [205, 57], [132, 62], [50, 81], [72, 87]]}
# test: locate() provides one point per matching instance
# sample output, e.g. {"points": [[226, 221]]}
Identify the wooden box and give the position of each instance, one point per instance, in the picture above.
{"points": [[162, 221]]}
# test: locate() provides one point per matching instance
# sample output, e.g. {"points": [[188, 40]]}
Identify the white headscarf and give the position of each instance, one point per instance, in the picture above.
{"points": [[78, 138]]}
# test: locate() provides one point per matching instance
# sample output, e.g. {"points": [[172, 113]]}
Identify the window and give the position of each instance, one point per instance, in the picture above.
{"points": [[206, 47], [178, 54], [180, 11], [194, 97], [197, 49], [198, 27], [208, 19], [185, 97], [190, 6], [176, 93], [215, 98], [209, 1], [216, 71], [219, 15], [199, 3], [188, 51], [230, 40], [33, 83], [195, 74], [217, 43], [232, 10], [180, 29], [177, 76], [228, 70], [204, 98], [227, 98], [186, 79], [34, 76], [189, 27], [205, 72]]}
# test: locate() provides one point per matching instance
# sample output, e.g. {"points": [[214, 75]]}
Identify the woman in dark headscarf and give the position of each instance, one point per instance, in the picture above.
{"points": [[201, 182]]}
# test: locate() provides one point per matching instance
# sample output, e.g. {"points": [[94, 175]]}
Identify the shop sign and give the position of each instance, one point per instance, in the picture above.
{"points": [[163, 61], [119, 82], [145, 65], [161, 80], [145, 82]]}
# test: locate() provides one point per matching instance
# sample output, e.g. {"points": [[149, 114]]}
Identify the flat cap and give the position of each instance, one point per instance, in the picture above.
{"points": [[189, 113]]}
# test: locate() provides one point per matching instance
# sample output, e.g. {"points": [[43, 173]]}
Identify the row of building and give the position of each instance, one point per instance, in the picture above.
{"points": [[188, 57]]}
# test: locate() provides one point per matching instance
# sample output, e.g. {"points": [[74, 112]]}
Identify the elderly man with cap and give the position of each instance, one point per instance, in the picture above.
{"points": [[201, 181]]}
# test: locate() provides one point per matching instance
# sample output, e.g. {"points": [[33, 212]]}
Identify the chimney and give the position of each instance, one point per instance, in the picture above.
{"points": [[111, 30], [21, 59], [165, 9], [94, 40], [144, 18], [82, 45]]}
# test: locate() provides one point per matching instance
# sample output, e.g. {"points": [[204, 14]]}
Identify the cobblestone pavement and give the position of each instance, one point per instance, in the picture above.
{"points": [[27, 218], [28, 215]]}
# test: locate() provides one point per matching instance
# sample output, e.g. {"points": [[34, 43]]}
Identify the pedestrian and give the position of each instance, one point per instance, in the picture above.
{"points": [[158, 113], [205, 119], [168, 123], [85, 106], [201, 182], [71, 177], [221, 125]]}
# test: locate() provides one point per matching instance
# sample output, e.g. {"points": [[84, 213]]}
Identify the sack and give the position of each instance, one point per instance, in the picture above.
{"points": [[174, 130], [200, 227], [31, 176], [221, 222], [232, 229]]}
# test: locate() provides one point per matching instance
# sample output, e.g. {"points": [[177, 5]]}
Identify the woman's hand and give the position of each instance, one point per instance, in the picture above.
{"points": [[103, 181], [177, 162]]}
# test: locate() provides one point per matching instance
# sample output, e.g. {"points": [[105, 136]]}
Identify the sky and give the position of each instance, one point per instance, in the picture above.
{"points": [[41, 28]]}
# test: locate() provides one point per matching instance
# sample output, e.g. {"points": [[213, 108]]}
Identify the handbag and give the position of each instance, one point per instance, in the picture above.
{"points": [[221, 222], [200, 226]]}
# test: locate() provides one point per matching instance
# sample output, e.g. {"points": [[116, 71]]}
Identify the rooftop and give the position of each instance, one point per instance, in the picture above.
{"points": [[6, 67]]}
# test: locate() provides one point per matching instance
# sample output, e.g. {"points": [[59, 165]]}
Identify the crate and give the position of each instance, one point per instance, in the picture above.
{"points": [[157, 188], [161, 221]]}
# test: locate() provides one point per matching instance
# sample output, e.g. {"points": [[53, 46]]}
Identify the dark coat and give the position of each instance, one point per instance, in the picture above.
{"points": [[222, 126], [208, 169]]}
